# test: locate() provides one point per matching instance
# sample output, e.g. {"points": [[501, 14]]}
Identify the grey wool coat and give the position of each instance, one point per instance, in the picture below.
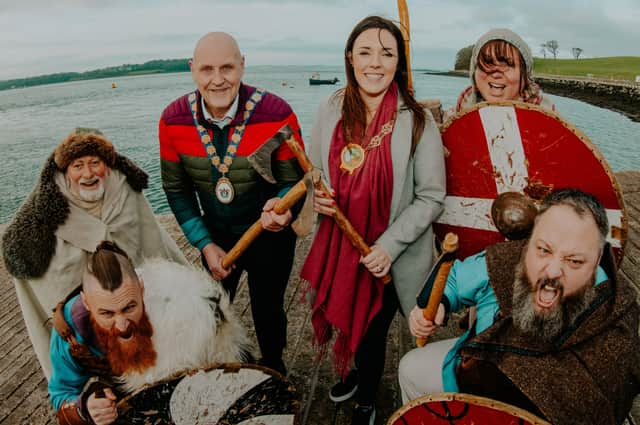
{"points": [[417, 198]]}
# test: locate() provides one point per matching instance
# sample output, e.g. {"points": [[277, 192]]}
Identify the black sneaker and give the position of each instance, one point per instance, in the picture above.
{"points": [[363, 415], [344, 390]]}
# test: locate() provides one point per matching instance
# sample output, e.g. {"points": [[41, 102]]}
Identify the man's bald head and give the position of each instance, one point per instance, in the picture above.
{"points": [[220, 41], [217, 68]]}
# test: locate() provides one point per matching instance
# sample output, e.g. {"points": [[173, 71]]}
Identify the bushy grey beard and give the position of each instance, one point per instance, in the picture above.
{"points": [[91, 195], [546, 326]]}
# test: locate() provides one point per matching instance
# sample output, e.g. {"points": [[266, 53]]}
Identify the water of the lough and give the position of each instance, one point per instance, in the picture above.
{"points": [[34, 120]]}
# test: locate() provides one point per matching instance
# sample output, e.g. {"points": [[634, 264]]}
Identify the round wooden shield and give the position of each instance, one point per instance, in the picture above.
{"points": [[461, 409], [508, 146], [231, 393]]}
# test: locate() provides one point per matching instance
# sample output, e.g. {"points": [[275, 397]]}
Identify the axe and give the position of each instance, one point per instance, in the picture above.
{"points": [[260, 159], [431, 294], [285, 203], [341, 220]]}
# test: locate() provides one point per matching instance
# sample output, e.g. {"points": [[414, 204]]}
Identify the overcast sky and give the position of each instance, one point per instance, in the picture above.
{"points": [[44, 36]]}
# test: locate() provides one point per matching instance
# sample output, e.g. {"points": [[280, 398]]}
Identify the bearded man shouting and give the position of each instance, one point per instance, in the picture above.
{"points": [[556, 330], [119, 334]]}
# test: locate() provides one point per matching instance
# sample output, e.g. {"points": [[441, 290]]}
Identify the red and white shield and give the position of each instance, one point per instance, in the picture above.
{"points": [[494, 148]]}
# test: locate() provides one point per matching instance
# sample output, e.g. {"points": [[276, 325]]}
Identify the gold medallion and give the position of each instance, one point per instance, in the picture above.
{"points": [[224, 190], [351, 157]]}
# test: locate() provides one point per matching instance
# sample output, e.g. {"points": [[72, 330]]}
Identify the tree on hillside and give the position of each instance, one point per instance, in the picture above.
{"points": [[463, 58], [552, 47], [576, 52], [543, 50]]}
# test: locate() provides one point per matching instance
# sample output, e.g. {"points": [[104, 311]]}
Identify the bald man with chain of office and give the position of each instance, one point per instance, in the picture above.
{"points": [[209, 139]]}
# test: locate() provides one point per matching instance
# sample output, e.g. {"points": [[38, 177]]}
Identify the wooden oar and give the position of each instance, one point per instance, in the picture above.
{"points": [[403, 12], [434, 286], [341, 220], [285, 203]]}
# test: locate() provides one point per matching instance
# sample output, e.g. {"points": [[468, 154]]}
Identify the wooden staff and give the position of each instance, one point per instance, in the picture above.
{"points": [[341, 220], [403, 11], [285, 203], [434, 287]]}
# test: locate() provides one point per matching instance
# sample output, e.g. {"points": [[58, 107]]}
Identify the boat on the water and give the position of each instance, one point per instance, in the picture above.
{"points": [[315, 80]]}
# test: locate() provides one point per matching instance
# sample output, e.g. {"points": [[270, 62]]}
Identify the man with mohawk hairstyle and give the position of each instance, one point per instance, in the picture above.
{"points": [[129, 328]]}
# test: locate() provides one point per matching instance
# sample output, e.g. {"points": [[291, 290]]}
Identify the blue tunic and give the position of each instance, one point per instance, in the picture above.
{"points": [[68, 377]]}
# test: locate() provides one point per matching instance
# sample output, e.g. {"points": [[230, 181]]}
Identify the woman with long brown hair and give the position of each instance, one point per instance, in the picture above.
{"points": [[381, 153]]}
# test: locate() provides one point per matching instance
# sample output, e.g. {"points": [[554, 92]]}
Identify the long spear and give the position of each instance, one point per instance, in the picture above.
{"points": [[403, 11]]}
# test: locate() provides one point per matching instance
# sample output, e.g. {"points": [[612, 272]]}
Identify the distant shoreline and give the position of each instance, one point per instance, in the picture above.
{"points": [[158, 66], [621, 96], [451, 73]]}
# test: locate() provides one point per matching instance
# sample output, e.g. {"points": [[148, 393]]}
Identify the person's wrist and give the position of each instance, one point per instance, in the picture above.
{"points": [[70, 413], [201, 245]]}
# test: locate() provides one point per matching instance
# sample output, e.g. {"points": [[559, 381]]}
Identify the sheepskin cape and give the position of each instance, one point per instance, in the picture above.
{"points": [[45, 247], [194, 325]]}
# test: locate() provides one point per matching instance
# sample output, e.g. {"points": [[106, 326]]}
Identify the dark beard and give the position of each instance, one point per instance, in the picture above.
{"points": [[135, 354], [550, 325]]}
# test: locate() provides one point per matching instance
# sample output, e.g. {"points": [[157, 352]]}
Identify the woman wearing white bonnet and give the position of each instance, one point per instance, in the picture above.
{"points": [[501, 69]]}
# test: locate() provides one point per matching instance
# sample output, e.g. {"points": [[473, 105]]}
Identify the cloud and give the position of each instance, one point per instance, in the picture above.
{"points": [[38, 36], [601, 28]]}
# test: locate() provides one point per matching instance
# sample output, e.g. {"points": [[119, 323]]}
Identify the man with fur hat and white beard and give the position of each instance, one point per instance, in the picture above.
{"points": [[128, 328], [86, 193]]}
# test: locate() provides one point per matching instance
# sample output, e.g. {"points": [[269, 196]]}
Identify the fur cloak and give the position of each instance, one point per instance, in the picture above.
{"points": [[591, 372], [46, 245], [193, 323]]}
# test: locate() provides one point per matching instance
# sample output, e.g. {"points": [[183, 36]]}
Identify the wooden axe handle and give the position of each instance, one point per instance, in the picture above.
{"points": [[449, 245], [403, 13], [300, 154], [341, 220], [285, 203]]}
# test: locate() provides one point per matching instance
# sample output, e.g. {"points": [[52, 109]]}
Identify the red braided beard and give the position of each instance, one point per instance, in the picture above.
{"points": [[135, 354]]}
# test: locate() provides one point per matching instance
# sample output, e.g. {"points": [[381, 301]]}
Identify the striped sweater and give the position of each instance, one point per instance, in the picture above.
{"points": [[188, 178]]}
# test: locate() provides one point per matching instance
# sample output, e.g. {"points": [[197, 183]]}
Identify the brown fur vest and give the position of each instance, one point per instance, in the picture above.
{"points": [[590, 373]]}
